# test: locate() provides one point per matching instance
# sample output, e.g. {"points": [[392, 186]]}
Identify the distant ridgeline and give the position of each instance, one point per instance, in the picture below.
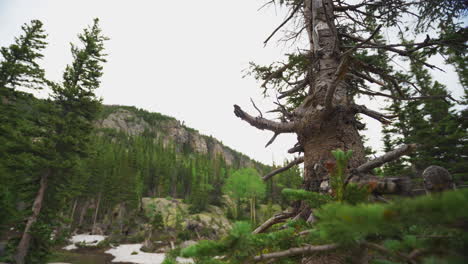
{"points": [[137, 154], [171, 133]]}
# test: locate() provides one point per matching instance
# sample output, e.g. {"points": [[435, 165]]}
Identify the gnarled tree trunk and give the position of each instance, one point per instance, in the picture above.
{"points": [[328, 122], [325, 121]]}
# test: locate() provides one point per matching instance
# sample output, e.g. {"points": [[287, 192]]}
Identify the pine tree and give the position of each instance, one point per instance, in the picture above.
{"points": [[67, 128], [19, 69], [19, 66], [419, 121]]}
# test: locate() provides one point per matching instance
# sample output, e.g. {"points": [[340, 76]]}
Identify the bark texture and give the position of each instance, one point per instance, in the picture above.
{"points": [[328, 122], [325, 121], [23, 246]]}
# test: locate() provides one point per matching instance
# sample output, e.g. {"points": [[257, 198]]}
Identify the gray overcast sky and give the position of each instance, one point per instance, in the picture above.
{"points": [[181, 58]]}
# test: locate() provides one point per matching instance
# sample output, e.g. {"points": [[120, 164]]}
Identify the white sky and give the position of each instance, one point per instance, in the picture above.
{"points": [[181, 58]]}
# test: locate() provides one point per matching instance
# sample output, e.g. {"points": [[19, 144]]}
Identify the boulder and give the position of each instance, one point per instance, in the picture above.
{"points": [[173, 211], [208, 224], [437, 179], [187, 243]]}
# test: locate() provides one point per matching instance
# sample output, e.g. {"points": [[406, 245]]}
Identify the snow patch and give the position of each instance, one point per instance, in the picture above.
{"points": [[123, 253]]}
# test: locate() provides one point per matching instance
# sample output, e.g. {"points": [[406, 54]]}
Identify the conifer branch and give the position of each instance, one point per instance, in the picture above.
{"points": [[391, 48], [368, 78], [293, 12], [278, 73], [285, 168]]}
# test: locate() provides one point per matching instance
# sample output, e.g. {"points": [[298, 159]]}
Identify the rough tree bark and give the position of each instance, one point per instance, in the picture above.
{"points": [[23, 246], [326, 119], [96, 214], [83, 213], [72, 215], [321, 84], [326, 127]]}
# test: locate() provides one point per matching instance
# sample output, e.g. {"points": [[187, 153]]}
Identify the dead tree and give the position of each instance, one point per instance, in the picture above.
{"points": [[323, 112]]}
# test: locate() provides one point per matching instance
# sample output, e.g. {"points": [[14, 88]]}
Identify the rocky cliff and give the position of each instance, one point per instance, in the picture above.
{"points": [[168, 130]]}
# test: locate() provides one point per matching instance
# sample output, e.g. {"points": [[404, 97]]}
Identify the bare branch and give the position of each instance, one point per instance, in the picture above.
{"points": [[277, 218], [266, 4], [298, 6], [285, 168], [262, 123], [387, 157], [414, 46], [374, 114], [296, 251], [271, 140], [351, 50], [429, 97], [253, 103], [390, 79], [294, 90], [282, 109], [368, 78], [348, 7], [296, 148]]}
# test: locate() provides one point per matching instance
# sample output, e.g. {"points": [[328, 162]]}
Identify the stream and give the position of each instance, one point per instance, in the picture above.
{"points": [[82, 256]]}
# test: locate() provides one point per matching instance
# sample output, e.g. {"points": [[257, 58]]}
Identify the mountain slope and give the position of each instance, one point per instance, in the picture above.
{"points": [[134, 122]]}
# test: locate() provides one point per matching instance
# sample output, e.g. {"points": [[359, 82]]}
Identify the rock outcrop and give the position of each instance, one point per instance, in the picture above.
{"points": [[210, 224], [168, 130]]}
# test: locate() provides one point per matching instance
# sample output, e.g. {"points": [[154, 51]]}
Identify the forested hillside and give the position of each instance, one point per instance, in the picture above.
{"points": [[132, 154], [69, 164], [139, 154]]}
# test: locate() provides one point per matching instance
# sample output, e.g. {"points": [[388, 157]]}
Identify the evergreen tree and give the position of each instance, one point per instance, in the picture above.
{"points": [[419, 121], [19, 65], [66, 131], [18, 161]]}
